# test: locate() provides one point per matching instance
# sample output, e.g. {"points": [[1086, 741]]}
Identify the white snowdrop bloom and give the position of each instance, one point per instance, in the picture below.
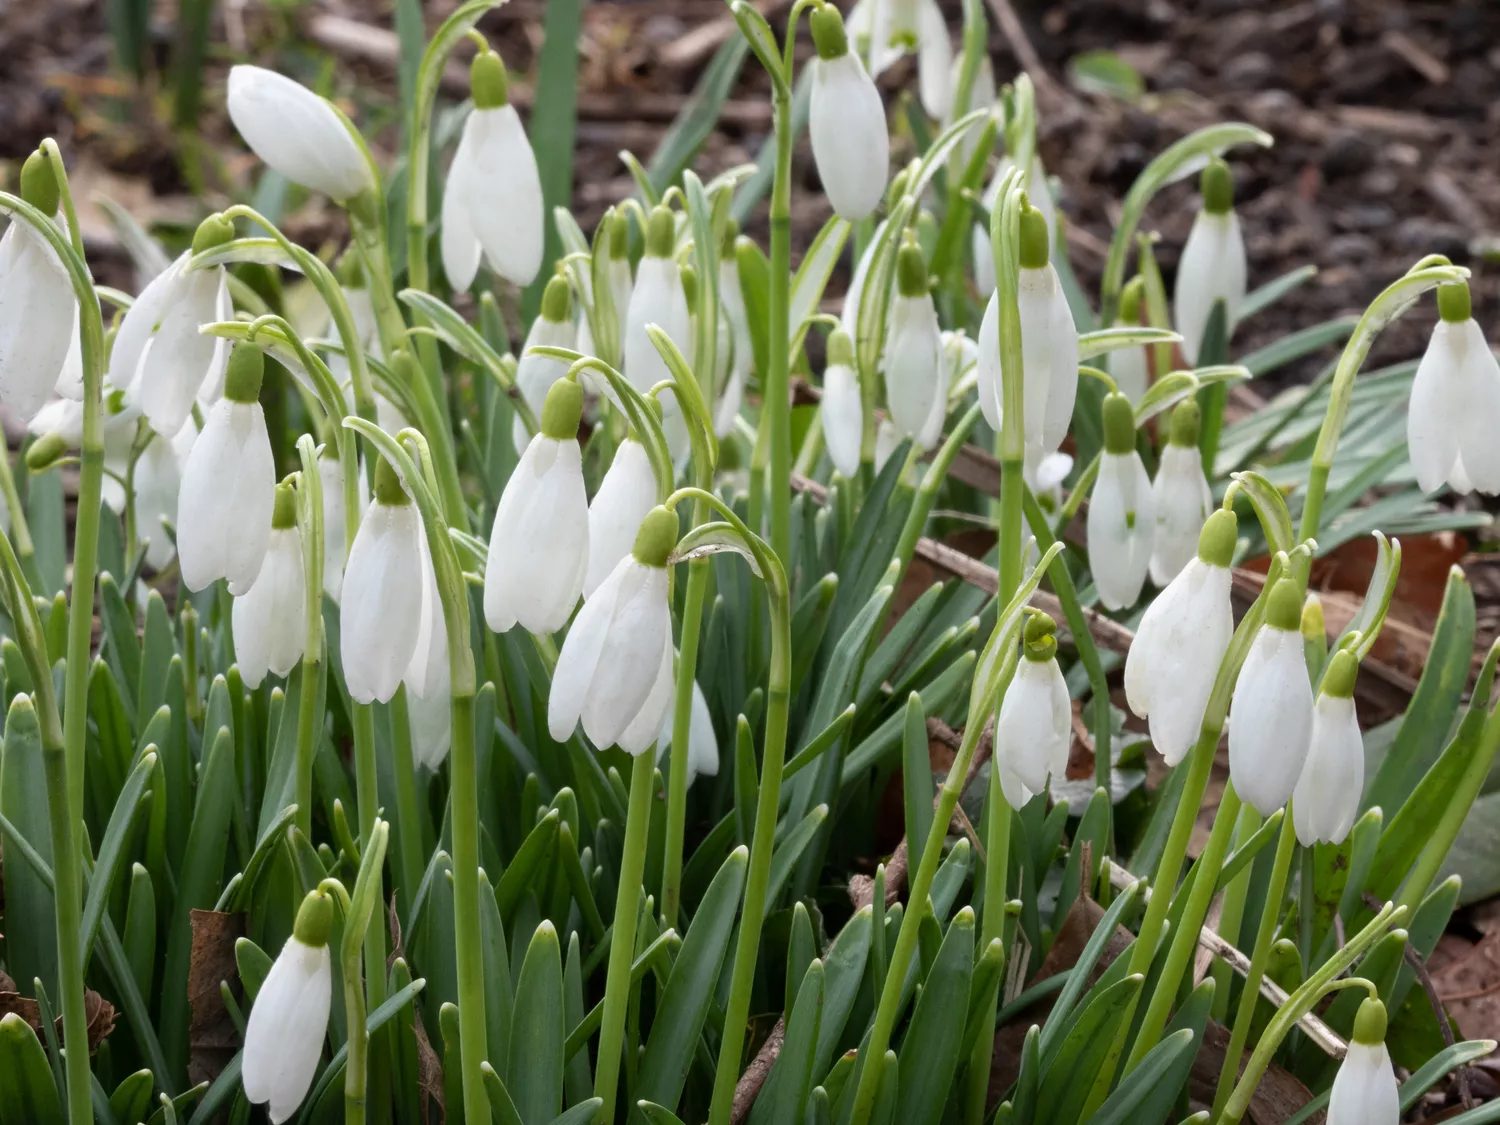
{"points": [[1271, 717], [38, 312], [289, 1019], [617, 271], [1182, 496], [1364, 1090], [383, 590], [703, 744], [846, 120], [1455, 403], [158, 479], [1122, 511], [950, 348], [270, 618], [335, 538], [887, 440], [658, 298], [297, 133], [428, 677], [843, 414], [1212, 267], [1128, 365], [228, 485], [613, 654], [1034, 727], [493, 199], [626, 494], [539, 547], [60, 423], [913, 347], [1325, 802], [849, 310], [1037, 194], [1046, 480], [1181, 641], [644, 730], [535, 374], [1049, 348], [936, 74], [735, 352], [160, 357]]}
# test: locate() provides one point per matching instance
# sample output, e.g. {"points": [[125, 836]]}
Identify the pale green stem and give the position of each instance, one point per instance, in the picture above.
{"points": [[68, 895], [1232, 914], [776, 409], [699, 573], [408, 817], [20, 529]]}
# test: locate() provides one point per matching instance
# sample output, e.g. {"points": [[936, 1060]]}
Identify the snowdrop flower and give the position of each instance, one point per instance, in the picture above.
{"points": [[1455, 403], [626, 494], [847, 119], [160, 357], [289, 1020], [1049, 348], [428, 678], [898, 24], [1181, 493], [1182, 639], [643, 731], [1046, 480], [59, 426], [1122, 511], [1128, 365], [613, 656], [335, 541], [1039, 196], [617, 270], [703, 744], [38, 312], [229, 484], [1326, 800], [658, 298], [270, 618], [843, 414], [887, 440], [735, 352], [849, 310], [1212, 267], [913, 347], [383, 592], [1270, 725], [535, 374], [936, 75], [493, 199], [1364, 1091], [539, 548], [1033, 729], [158, 479], [297, 133]]}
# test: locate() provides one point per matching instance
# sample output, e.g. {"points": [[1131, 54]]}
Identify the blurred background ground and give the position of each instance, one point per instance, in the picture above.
{"points": [[1386, 117]]}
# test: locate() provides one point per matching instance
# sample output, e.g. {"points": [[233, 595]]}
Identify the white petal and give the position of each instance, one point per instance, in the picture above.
{"points": [[430, 721], [1062, 387], [850, 144], [70, 378], [460, 245], [1364, 1090], [270, 619], [1183, 503], [428, 672], [382, 606], [539, 547], [1128, 366], [1270, 723], [1326, 800], [331, 473], [1030, 736], [887, 438], [158, 478], [849, 310], [626, 494], [1212, 268], [180, 357], [988, 371], [228, 491], [656, 711], [703, 744], [296, 132], [288, 1023], [912, 355], [37, 314], [843, 417], [502, 192], [140, 322], [535, 374], [656, 299], [1432, 422], [1121, 519], [583, 648], [1477, 421], [935, 71], [638, 628]]}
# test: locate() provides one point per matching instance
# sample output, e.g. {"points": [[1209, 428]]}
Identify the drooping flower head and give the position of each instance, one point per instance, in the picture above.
{"points": [[535, 374], [1181, 493], [913, 349], [1212, 268], [297, 133], [289, 1019], [270, 622], [1271, 719], [1128, 365], [1325, 802], [539, 547], [658, 298], [626, 494], [1034, 726], [1364, 1090], [846, 120], [492, 203], [1122, 511], [843, 412], [1455, 402]]}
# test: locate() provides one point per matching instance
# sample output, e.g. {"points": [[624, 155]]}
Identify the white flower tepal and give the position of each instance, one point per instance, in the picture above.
{"points": [[289, 1019], [1326, 800], [228, 485], [1455, 403], [1364, 1090], [535, 374], [847, 121], [1122, 511], [1183, 636], [492, 202], [1128, 366], [913, 349], [539, 547], [1213, 267], [703, 744], [1271, 719], [658, 298], [843, 412], [613, 655], [297, 133], [428, 677], [1033, 729], [626, 494], [270, 619], [1181, 494]]}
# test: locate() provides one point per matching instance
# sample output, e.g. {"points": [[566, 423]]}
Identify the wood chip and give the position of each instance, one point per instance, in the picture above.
{"points": [[1423, 62]]}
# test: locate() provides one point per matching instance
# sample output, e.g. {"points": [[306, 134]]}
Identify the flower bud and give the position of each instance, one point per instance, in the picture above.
{"points": [[1271, 720], [1034, 726], [45, 452], [1182, 496], [1325, 803], [1455, 403], [297, 133], [1212, 267], [851, 147], [1364, 1090], [1122, 511]]}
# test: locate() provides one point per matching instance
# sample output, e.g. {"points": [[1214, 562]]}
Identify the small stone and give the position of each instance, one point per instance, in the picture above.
{"points": [[1380, 181], [1349, 153], [1351, 248], [1249, 71]]}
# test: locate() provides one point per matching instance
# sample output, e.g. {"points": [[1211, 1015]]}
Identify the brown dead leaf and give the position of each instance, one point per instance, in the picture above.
{"points": [[99, 1013], [1277, 1098], [212, 1037], [1469, 984]]}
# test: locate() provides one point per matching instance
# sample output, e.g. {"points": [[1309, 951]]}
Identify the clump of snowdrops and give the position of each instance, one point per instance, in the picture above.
{"points": [[521, 715]]}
